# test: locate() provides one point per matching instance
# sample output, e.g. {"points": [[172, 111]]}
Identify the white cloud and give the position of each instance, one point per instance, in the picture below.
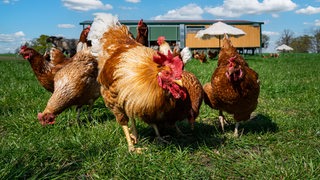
{"points": [[309, 10], [236, 8], [19, 34], [315, 23], [11, 37], [85, 5], [10, 42], [66, 26], [133, 1], [267, 21], [270, 33], [127, 8], [190, 11], [9, 1]]}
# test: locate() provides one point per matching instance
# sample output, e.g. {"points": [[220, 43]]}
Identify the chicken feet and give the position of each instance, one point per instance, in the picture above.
{"points": [[159, 138], [236, 131], [222, 120], [134, 132], [131, 147]]}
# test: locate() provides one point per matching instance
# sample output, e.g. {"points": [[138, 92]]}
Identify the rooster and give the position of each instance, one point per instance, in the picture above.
{"points": [[43, 69], [142, 33], [83, 43], [74, 85], [164, 48], [188, 108], [234, 87], [136, 81]]}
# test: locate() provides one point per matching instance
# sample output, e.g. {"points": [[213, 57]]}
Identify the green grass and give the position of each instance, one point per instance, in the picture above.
{"points": [[281, 142]]}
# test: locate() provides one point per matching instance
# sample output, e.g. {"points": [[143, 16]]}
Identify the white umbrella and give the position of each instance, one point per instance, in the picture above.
{"points": [[218, 29], [284, 47]]}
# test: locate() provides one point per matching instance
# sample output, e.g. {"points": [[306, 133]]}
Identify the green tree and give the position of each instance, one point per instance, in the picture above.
{"points": [[316, 41], [301, 44], [40, 44]]}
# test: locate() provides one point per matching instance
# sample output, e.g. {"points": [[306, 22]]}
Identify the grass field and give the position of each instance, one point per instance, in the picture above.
{"points": [[281, 142]]}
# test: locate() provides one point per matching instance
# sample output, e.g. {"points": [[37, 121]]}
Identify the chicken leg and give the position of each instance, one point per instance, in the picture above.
{"points": [[222, 120], [236, 131], [158, 134], [131, 138], [131, 147], [128, 137], [134, 132]]}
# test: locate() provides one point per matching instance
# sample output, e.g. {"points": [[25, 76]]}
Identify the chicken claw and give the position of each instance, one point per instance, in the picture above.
{"points": [[130, 142], [134, 132], [222, 120], [159, 138], [236, 130]]}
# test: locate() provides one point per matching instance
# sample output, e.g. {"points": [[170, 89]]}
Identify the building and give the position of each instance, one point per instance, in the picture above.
{"points": [[183, 32]]}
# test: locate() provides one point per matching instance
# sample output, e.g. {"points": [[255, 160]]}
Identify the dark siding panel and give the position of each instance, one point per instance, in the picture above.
{"points": [[171, 33]]}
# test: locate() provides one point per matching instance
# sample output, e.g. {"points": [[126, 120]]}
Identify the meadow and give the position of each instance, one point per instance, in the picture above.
{"points": [[282, 141]]}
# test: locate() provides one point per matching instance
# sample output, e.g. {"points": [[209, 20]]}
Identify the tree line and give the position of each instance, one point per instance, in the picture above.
{"points": [[300, 44]]}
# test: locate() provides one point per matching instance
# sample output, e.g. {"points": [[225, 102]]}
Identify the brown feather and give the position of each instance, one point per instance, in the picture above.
{"points": [[238, 97], [44, 70], [129, 79], [75, 84]]}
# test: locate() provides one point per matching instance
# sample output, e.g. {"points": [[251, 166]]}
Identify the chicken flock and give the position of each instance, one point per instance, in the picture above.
{"points": [[137, 82]]}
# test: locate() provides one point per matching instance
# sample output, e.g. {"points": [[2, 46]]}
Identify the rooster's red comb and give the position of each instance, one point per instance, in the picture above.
{"points": [[161, 38], [140, 22], [160, 58], [23, 48], [175, 63]]}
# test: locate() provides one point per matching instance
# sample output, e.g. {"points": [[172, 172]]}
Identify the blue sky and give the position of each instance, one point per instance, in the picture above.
{"points": [[24, 20]]}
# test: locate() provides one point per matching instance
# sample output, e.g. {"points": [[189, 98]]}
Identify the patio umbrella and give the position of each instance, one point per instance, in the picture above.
{"points": [[284, 48], [218, 29]]}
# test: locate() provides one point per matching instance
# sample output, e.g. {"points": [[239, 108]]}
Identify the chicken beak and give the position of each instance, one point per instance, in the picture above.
{"points": [[179, 82]]}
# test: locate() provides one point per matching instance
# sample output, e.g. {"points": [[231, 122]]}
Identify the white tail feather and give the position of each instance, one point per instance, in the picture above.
{"points": [[101, 23], [186, 55]]}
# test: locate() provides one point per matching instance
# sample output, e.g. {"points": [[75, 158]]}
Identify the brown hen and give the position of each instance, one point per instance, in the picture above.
{"points": [[74, 85], [44, 70], [142, 33], [234, 86]]}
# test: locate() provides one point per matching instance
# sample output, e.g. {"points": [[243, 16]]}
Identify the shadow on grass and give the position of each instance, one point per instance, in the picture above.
{"points": [[202, 135], [208, 133], [259, 124]]}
